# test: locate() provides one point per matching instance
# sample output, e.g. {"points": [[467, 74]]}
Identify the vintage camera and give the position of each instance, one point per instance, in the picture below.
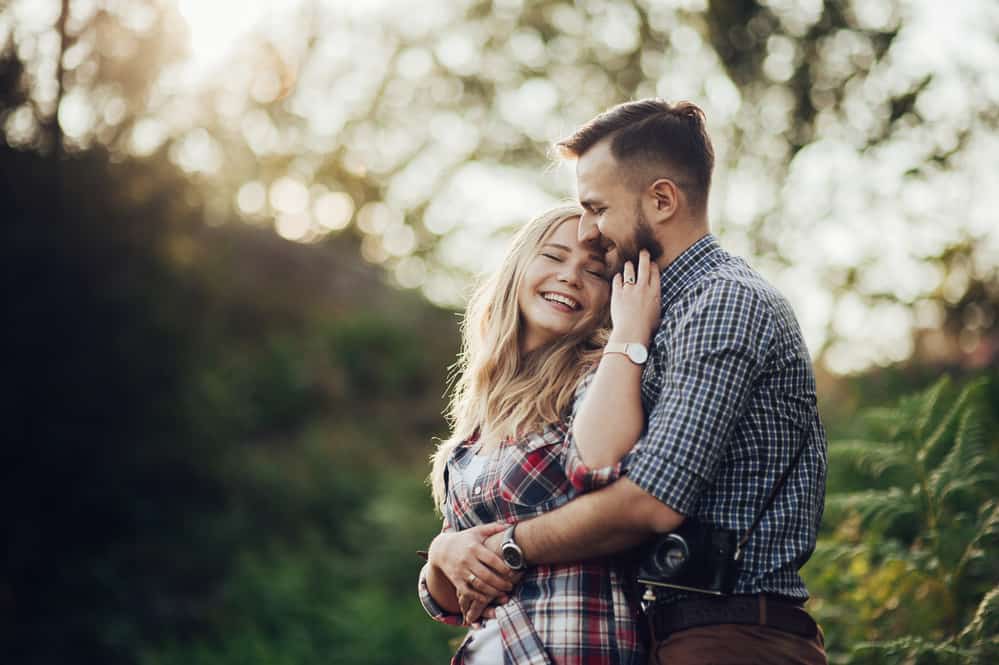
{"points": [[696, 557]]}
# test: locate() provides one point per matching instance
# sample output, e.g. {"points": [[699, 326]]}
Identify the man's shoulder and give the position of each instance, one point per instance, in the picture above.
{"points": [[733, 284], [734, 280]]}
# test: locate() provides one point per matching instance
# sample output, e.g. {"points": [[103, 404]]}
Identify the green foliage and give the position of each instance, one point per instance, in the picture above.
{"points": [[908, 560], [189, 477], [378, 358], [351, 599]]}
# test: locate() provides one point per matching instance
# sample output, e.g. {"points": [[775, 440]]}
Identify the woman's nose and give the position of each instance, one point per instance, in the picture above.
{"points": [[570, 275]]}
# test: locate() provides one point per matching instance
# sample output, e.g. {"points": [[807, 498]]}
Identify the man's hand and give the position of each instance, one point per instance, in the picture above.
{"points": [[478, 574]]}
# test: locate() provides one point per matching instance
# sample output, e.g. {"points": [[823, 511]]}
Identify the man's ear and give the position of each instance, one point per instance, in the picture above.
{"points": [[664, 200]]}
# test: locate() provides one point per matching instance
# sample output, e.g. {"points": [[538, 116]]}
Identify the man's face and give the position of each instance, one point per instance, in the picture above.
{"points": [[612, 210]]}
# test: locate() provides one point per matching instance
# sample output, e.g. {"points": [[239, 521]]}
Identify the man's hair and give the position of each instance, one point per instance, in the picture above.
{"points": [[652, 138]]}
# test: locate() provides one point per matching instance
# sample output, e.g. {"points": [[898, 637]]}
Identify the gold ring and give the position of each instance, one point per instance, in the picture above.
{"points": [[629, 280]]}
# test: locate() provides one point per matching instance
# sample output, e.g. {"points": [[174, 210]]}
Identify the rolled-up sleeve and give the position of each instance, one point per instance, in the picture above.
{"points": [[436, 612], [716, 354], [582, 477]]}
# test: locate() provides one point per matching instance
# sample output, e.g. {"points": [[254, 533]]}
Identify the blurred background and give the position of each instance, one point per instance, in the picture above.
{"points": [[236, 234]]}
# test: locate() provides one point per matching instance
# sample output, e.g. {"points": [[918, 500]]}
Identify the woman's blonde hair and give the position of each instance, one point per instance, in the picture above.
{"points": [[496, 384]]}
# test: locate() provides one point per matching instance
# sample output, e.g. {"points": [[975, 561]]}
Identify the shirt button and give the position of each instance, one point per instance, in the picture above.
{"points": [[477, 490]]}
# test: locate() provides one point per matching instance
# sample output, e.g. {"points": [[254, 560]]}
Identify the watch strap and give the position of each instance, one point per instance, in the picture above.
{"points": [[633, 351]]}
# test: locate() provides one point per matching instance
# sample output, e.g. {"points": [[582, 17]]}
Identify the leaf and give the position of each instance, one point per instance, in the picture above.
{"points": [[872, 458], [930, 402], [878, 509], [909, 651], [985, 624], [964, 468], [944, 434]]}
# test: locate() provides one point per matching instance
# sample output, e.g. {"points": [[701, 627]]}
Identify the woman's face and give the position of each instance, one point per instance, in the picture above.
{"points": [[564, 287]]}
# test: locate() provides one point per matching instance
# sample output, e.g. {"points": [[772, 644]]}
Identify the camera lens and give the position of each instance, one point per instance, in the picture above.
{"points": [[672, 555]]}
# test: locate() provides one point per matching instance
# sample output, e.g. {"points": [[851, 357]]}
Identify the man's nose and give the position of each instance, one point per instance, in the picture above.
{"points": [[588, 231]]}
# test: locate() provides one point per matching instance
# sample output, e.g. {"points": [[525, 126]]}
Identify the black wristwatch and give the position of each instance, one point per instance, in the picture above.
{"points": [[512, 555]]}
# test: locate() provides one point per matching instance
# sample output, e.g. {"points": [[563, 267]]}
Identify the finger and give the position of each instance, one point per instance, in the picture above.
{"points": [[654, 274], [629, 272], [485, 588], [489, 613], [643, 267], [486, 530], [616, 284], [468, 598], [488, 582], [493, 561], [474, 612]]}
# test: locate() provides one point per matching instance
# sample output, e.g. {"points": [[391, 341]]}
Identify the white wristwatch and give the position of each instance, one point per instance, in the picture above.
{"points": [[637, 353]]}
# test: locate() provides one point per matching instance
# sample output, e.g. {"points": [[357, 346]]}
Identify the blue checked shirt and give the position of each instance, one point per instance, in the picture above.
{"points": [[730, 395]]}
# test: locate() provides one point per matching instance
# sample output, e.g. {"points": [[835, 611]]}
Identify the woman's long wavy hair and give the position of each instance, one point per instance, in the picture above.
{"points": [[492, 381]]}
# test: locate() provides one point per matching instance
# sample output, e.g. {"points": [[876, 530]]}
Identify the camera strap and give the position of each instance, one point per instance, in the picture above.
{"points": [[770, 498]]}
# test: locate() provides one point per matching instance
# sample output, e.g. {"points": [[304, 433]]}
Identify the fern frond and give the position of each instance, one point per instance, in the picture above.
{"points": [[985, 542], [985, 623], [873, 458], [964, 468], [877, 509], [829, 553], [942, 438], [909, 651], [930, 404], [883, 422]]}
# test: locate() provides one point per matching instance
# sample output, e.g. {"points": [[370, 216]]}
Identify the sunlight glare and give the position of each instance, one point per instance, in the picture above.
{"points": [[216, 25]]}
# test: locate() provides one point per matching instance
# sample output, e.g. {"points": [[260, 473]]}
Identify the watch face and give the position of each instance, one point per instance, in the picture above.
{"points": [[637, 353], [513, 557]]}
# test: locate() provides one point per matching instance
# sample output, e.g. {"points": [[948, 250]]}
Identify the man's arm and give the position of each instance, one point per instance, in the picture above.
{"points": [[715, 357], [606, 521]]}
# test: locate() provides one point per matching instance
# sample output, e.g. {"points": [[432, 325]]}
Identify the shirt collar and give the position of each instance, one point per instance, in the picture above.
{"points": [[693, 262]]}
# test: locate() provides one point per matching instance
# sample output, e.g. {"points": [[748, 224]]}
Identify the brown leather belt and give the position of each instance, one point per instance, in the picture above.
{"points": [[759, 610]]}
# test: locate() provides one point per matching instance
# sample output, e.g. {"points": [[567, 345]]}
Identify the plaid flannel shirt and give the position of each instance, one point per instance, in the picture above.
{"points": [[730, 396], [565, 614]]}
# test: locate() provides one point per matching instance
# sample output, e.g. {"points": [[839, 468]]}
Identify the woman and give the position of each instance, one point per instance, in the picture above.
{"points": [[531, 334]]}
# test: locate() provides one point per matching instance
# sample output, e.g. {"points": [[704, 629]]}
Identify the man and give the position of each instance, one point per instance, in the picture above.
{"points": [[730, 398]]}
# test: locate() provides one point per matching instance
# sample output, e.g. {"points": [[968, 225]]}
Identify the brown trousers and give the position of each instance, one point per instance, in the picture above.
{"points": [[735, 644]]}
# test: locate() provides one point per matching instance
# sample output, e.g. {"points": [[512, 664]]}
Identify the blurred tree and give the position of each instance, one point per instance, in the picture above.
{"points": [[178, 408], [427, 127]]}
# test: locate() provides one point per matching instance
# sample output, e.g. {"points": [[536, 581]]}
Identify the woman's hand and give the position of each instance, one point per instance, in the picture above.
{"points": [[478, 574], [635, 301]]}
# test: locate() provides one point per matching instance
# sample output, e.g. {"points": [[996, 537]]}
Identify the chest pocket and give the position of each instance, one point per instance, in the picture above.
{"points": [[532, 476]]}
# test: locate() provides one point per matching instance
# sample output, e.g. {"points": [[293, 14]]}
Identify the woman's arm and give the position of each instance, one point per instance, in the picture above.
{"points": [[611, 419], [452, 561], [441, 589]]}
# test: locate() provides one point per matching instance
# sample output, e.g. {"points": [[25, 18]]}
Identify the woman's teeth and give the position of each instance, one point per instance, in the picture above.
{"points": [[559, 298]]}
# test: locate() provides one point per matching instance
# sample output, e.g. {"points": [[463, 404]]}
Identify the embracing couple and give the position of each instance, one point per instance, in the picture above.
{"points": [[632, 402]]}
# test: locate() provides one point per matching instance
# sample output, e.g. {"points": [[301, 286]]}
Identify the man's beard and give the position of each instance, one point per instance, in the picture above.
{"points": [[642, 238]]}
